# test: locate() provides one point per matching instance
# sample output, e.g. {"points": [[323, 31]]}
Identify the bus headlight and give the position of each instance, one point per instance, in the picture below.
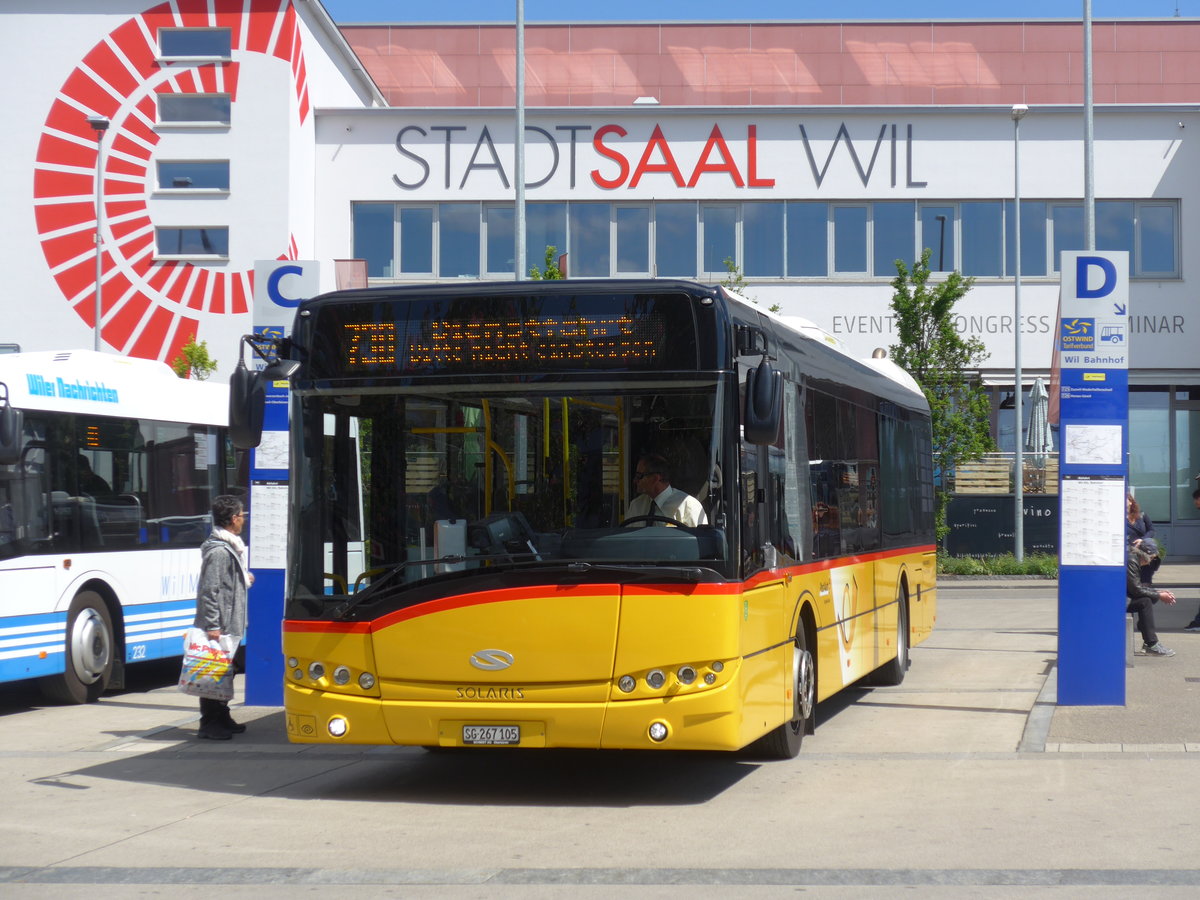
{"points": [[627, 683], [298, 674], [316, 671], [686, 674], [341, 675], [293, 662], [366, 681], [655, 678], [338, 727]]}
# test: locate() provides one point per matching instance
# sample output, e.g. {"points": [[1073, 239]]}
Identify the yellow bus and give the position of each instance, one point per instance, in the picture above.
{"points": [[515, 595]]}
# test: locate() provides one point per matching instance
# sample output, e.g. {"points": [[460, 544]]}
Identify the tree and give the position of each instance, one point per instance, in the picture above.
{"points": [[552, 271], [733, 281], [943, 363], [194, 361]]}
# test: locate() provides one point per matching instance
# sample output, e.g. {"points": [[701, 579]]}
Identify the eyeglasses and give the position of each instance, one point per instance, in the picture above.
{"points": [[241, 515], [638, 476]]}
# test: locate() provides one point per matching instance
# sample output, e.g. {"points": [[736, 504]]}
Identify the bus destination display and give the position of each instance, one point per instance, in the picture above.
{"points": [[431, 338]]}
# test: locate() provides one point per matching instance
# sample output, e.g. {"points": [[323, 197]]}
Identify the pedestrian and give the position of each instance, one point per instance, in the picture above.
{"points": [[1141, 601], [221, 603], [1139, 532]]}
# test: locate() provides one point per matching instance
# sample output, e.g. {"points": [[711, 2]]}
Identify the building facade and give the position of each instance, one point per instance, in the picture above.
{"points": [[806, 156]]}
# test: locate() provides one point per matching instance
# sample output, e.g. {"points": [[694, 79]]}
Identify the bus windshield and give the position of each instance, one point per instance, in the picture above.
{"points": [[452, 483]]}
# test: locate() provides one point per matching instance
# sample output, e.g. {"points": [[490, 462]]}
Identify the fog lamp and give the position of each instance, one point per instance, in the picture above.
{"points": [[658, 732], [338, 727]]}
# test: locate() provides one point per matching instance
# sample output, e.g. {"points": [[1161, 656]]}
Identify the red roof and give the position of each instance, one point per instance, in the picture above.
{"points": [[784, 64]]}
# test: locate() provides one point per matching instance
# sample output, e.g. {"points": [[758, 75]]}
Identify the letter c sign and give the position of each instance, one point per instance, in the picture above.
{"points": [[1106, 267], [273, 291], [281, 285]]}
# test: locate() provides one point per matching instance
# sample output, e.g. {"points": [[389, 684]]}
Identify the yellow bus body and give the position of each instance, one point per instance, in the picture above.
{"points": [[569, 646]]}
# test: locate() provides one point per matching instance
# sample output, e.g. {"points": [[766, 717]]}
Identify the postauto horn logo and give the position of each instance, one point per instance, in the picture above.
{"points": [[152, 307]]}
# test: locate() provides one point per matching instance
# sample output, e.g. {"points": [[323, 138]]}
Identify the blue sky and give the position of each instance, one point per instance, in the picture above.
{"points": [[346, 11]]}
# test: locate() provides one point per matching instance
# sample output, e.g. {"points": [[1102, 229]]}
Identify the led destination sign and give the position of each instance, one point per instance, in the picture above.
{"points": [[493, 335]]}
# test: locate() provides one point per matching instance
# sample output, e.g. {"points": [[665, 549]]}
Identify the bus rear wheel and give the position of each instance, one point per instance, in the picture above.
{"points": [[785, 741], [892, 672], [88, 653]]}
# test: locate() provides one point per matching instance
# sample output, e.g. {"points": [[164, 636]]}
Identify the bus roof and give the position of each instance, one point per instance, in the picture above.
{"points": [[84, 381]]}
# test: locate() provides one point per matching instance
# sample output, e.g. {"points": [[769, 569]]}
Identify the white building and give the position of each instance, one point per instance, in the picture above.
{"points": [[812, 155]]}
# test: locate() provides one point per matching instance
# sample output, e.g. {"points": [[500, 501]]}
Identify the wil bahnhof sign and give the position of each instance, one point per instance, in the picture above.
{"points": [[1093, 345]]}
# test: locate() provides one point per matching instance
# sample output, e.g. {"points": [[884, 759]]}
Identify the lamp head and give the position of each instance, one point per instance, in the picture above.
{"points": [[1018, 111], [98, 123]]}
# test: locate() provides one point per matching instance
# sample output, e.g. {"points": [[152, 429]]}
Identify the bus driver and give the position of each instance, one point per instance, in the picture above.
{"points": [[656, 497]]}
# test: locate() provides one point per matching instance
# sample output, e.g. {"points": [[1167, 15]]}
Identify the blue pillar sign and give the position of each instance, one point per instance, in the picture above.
{"points": [[1093, 341], [279, 286]]}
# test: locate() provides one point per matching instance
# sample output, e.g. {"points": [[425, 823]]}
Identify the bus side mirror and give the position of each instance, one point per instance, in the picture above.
{"points": [[764, 404], [11, 429], [247, 402]]}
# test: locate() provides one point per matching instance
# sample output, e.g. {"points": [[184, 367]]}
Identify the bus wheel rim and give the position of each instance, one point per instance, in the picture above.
{"points": [[90, 646], [806, 684]]}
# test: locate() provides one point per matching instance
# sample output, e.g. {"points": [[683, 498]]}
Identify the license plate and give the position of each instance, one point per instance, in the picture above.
{"points": [[491, 734]]}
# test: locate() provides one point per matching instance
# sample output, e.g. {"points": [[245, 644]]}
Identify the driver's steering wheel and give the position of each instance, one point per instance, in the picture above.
{"points": [[652, 518]]}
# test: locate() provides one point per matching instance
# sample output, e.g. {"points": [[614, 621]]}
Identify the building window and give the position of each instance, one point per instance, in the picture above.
{"points": [[675, 240], [590, 239], [193, 176], [937, 236], [192, 242], [1156, 240], [375, 237], [807, 239], [720, 236], [764, 239], [195, 43], [894, 234], [983, 238], [850, 240], [208, 109], [1033, 238], [633, 240], [458, 240]]}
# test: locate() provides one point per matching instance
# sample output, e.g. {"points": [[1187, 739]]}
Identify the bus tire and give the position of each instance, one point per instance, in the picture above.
{"points": [[785, 741], [87, 655], [892, 672]]}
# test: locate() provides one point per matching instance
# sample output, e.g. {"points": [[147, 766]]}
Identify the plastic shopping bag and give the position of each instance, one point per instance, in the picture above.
{"points": [[207, 665]]}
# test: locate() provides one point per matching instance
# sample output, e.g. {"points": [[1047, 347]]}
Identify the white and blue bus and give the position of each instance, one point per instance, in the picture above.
{"points": [[108, 468]]}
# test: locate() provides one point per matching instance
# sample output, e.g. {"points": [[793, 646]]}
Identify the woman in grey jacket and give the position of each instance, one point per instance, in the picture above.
{"points": [[221, 601]]}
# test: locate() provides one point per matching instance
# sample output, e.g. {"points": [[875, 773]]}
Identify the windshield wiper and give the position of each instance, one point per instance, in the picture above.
{"points": [[686, 573], [343, 609]]}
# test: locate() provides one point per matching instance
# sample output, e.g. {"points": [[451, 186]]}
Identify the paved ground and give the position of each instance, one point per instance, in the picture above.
{"points": [[1162, 696], [964, 781]]}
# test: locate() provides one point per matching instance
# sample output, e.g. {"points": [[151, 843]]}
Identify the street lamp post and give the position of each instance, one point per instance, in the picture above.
{"points": [[99, 125], [1018, 113]]}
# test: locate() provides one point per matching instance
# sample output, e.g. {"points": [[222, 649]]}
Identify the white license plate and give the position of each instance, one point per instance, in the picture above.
{"points": [[491, 734]]}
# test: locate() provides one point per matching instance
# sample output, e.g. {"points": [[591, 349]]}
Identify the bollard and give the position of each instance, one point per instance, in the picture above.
{"points": [[1129, 640]]}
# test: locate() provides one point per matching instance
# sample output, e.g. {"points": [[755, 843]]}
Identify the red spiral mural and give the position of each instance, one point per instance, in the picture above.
{"points": [[150, 308]]}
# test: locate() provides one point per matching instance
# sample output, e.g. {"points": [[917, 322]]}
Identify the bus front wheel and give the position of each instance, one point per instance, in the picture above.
{"points": [[784, 742], [88, 653]]}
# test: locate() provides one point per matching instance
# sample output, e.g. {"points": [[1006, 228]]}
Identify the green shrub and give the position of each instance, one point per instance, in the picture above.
{"points": [[1042, 564]]}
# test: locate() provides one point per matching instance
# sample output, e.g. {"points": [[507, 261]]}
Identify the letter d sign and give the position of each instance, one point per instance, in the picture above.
{"points": [[1107, 269], [279, 287]]}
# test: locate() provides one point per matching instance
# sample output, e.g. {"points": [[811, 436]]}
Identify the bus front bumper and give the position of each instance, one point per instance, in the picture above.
{"points": [[709, 720]]}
